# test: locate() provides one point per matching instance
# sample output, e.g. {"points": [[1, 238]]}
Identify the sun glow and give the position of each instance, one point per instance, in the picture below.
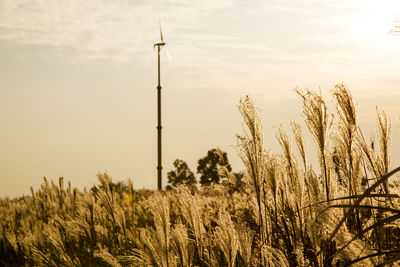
{"points": [[373, 22]]}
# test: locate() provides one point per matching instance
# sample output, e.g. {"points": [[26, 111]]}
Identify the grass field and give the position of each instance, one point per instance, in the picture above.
{"points": [[283, 212]]}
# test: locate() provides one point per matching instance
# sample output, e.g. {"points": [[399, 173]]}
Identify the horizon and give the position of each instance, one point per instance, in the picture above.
{"points": [[78, 86]]}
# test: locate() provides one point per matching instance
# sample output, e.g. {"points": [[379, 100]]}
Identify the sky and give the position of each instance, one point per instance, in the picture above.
{"points": [[78, 79]]}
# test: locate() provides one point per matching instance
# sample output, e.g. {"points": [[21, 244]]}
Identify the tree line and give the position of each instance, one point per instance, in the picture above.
{"points": [[208, 167]]}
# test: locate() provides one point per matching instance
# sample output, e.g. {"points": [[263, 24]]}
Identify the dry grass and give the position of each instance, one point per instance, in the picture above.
{"points": [[284, 214]]}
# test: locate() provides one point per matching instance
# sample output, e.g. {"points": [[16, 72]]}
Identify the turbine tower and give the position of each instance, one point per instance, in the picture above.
{"points": [[159, 163]]}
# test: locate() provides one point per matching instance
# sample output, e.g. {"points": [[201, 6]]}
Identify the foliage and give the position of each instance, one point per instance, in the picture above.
{"points": [[182, 175], [208, 166]]}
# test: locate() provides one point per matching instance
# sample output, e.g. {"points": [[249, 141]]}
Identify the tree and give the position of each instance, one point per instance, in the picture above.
{"points": [[209, 165], [182, 175]]}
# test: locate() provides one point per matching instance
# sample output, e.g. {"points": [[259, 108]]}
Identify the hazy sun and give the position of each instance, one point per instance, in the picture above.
{"points": [[374, 19]]}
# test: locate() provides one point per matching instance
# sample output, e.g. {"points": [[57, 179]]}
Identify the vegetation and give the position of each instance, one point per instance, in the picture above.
{"points": [[280, 212], [208, 167], [182, 175]]}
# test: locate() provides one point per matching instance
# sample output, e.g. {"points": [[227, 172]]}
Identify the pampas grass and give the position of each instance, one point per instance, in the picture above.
{"points": [[281, 213]]}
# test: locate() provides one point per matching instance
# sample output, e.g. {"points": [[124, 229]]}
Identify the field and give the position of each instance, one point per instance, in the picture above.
{"points": [[283, 212]]}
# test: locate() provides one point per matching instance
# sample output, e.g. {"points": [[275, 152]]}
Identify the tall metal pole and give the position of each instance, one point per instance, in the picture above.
{"points": [[159, 127]]}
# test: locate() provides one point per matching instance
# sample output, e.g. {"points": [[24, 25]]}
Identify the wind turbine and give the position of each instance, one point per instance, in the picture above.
{"points": [[159, 127]]}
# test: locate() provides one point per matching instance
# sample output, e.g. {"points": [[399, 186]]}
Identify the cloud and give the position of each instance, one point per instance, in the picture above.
{"points": [[95, 28], [122, 30], [89, 27], [228, 41]]}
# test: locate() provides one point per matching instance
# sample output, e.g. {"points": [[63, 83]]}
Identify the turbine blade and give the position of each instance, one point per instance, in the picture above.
{"points": [[162, 39], [168, 55]]}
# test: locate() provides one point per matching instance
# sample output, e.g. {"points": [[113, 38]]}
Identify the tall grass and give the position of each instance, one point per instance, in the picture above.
{"points": [[283, 213]]}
